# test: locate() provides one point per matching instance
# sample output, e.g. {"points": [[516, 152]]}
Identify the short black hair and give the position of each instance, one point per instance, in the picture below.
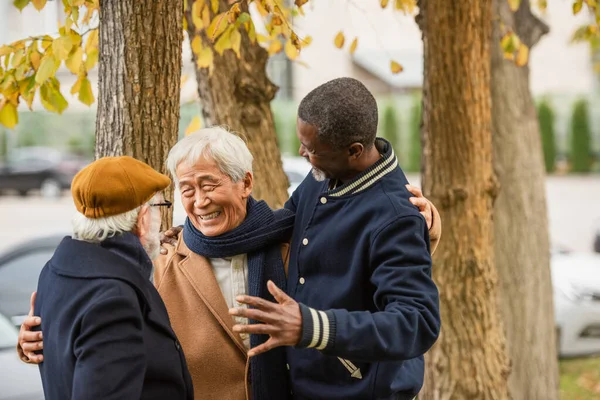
{"points": [[343, 111]]}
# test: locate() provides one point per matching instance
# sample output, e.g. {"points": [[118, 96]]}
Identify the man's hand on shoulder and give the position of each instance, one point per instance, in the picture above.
{"points": [[30, 341]]}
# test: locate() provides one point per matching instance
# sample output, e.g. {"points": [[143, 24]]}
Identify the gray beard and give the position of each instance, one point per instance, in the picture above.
{"points": [[318, 175]]}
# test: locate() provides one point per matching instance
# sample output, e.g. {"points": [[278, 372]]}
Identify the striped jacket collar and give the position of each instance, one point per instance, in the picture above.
{"points": [[371, 175]]}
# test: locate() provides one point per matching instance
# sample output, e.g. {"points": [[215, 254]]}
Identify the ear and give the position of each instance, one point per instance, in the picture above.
{"points": [[248, 182], [143, 221], [356, 150]]}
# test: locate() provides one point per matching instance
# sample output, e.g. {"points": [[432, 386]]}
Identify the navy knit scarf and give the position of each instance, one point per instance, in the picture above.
{"points": [[259, 237]]}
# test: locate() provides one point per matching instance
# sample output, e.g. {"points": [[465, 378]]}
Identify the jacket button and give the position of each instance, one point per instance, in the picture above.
{"points": [[305, 241], [177, 345], [302, 280], [323, 200]]}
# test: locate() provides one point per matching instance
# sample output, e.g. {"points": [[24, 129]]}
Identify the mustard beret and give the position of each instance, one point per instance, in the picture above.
{"points": [[114, 185]]}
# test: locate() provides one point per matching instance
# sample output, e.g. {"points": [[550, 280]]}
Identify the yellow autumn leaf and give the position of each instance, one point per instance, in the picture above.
{"points": [[51, 97], [86, 96], [197, 15], [75, 60], [577, 5], [62, 47], [205, 58], [306, 41], [339, 40], [522, 56], [406, 6], [48, 67], [92, 40], [8, 115], [251, 31], [275, 47], [46, 42], [300, 3], [262, 38], [260, 8], [290, 50], [38, 4], [353, 45], [215, 6], [234, 13], [384, 3], [4, 50], [194, 125], [197, 44], [224, 41], [514, 5], [35, 58], [395, 67], [77, 85], [206, 15], [236, 41], [217, 26], [91, 59], [17, 57], [21, 4]]}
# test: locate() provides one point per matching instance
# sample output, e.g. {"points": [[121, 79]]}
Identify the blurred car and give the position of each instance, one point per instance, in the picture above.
{"points": [[46, 169], [20, 268], [576, 283], [18, 381], [296, 169]]}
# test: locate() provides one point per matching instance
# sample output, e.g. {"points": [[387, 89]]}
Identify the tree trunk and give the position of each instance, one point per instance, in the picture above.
{"points": [[470, 360], [520, 218], [139, 81], [238, 95]]}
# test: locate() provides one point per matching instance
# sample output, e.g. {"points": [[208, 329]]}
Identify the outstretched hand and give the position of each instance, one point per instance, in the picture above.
{"points": [[282, 321]]}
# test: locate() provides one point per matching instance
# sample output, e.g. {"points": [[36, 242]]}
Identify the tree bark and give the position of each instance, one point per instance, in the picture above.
{"points": [[238, 95], [139, 81], [520, 217], [470, 360]]}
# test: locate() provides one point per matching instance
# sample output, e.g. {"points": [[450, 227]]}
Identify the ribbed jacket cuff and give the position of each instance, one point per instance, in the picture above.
{"points": [[318, 328]]}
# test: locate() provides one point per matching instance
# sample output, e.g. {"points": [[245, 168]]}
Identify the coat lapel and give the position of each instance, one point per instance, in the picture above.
{"points": [[198, 270]]}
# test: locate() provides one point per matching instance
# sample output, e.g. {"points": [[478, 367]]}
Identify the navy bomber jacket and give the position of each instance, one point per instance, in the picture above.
{"points": [[360, 268]]}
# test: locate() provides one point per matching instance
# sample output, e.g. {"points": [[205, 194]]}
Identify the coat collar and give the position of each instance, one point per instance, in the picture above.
{"points": [[198, 270], [121, 257]]}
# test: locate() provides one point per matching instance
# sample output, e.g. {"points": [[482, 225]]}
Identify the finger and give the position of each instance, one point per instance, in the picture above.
{"points": [[257, 302], [32, 303], [32, 346], [257, 329], [420, 202], [255, 314], [30, 322], [29, 336], [34, 358], [268, 345], [277, 293], [414, 190]]}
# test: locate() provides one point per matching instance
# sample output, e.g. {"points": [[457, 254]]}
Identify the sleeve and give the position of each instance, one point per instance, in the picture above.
{"points": [[290, 204], [109, 350], [435, 232], [407, 321]]}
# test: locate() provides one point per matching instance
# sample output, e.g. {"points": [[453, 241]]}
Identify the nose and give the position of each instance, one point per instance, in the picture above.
{"points": [[302, 151], [201, 200]]}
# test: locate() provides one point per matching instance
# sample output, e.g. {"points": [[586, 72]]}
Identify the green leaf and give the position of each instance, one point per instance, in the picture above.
{"points": [[243, 18], [8, 115], [48, 67], [86, 96], [51, 97], [21, 4]]}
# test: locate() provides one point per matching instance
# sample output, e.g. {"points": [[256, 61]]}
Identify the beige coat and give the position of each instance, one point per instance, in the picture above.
{"points": [[215, 355]]}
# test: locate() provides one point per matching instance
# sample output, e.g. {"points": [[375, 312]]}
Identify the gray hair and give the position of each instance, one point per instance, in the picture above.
{"points": [[99, 229], [343, 111], [226, 149]]}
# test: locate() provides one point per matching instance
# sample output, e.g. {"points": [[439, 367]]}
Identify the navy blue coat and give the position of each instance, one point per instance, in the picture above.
{"points": [[360, 268], [107, 333]]}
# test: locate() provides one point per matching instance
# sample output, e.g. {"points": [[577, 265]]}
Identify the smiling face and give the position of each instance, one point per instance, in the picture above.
{"points": [[327, 162], [212, 201]]}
